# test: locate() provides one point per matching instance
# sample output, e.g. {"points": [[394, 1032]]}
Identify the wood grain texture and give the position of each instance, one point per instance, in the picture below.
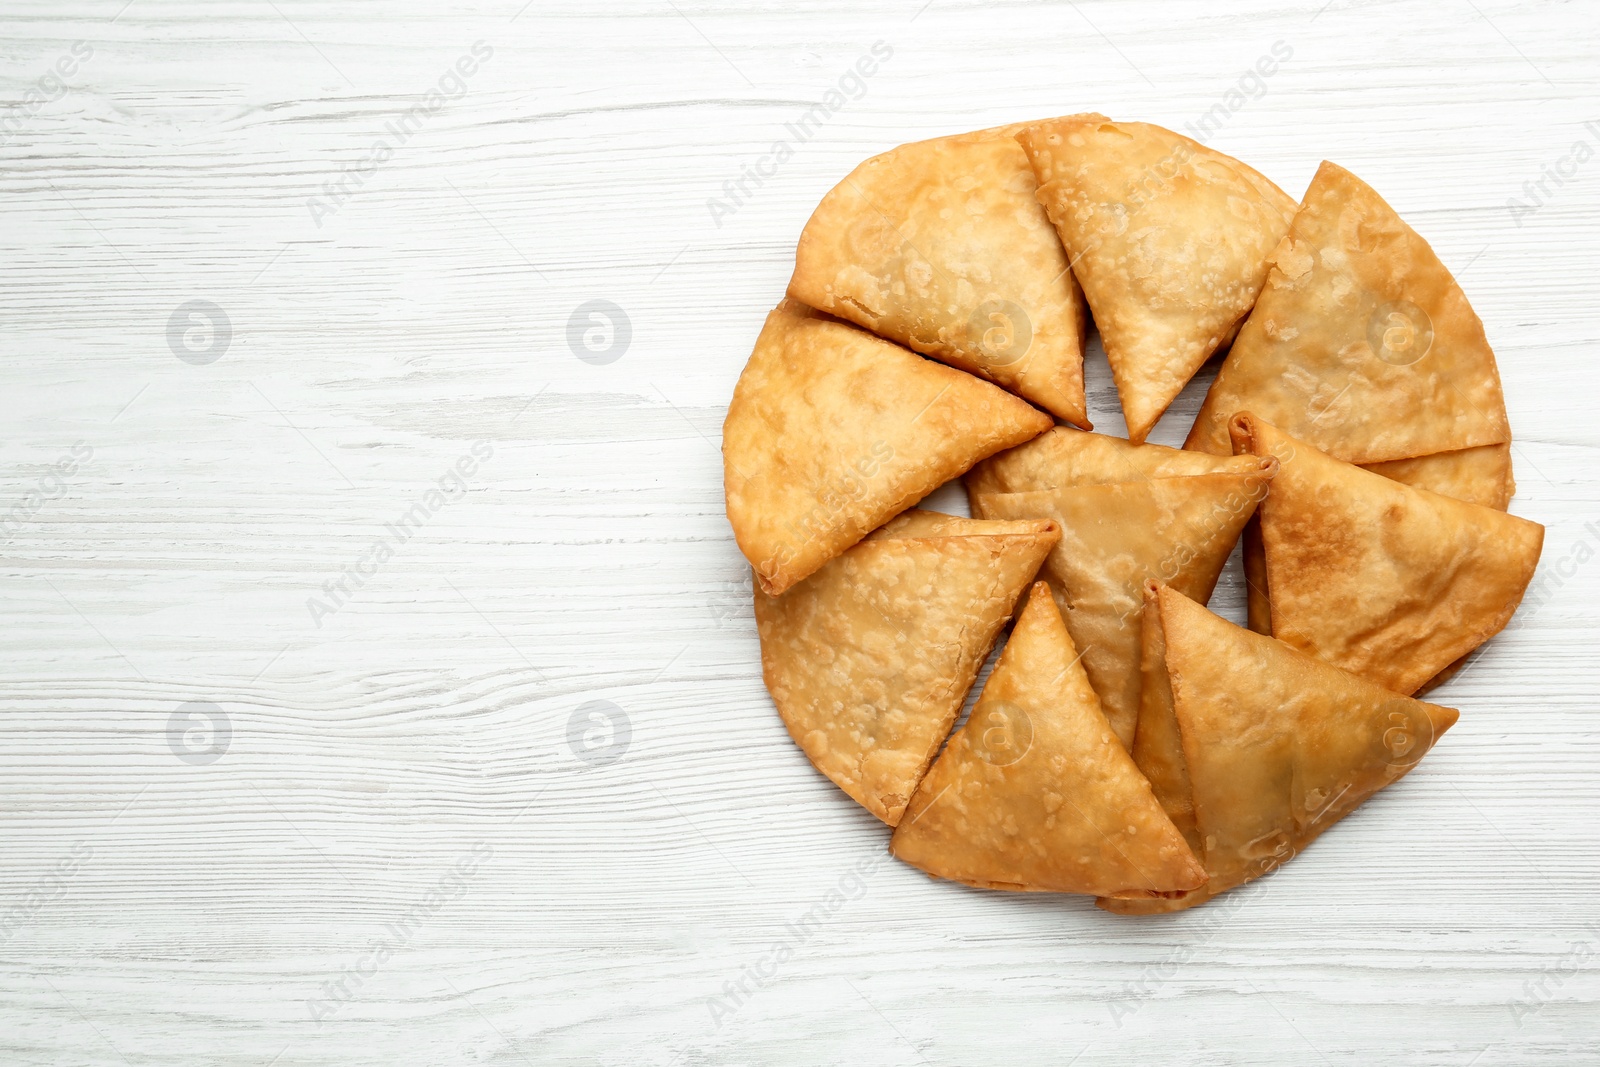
{"points": [[406, 774]]}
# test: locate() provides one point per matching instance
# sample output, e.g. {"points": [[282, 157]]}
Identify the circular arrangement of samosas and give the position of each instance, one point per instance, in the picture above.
{"points": [[1129, 743]]}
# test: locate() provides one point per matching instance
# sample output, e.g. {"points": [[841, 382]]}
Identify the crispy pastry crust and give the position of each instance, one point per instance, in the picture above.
{"points": [[1272, 746], [1362, 344], [1387, 581], [1115, 537]]}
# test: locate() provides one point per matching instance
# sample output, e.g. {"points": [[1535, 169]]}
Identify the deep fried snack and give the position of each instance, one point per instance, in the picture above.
{"points": [[1255, 749], [869, 660], [1169, 240], [942, 246], [832, 432], [1035, 793]]}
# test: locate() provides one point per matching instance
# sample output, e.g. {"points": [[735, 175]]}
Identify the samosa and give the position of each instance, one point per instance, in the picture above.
{"points": [[833, 431], [942, 246], [1116, 536], [1387, 581], [869, 660], [1064, 456], [1361, 344], [1036, 793], [1169, 240], [1255, 749]]}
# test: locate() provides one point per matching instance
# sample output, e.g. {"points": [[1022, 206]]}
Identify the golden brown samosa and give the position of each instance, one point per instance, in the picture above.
{"points": [[942, 246], [1387, 581], [1480, 475], [869, 660], [1168, 238], [1255, 749], [1115, 537], [1362, 344], [833, 431], [1035, 793]]}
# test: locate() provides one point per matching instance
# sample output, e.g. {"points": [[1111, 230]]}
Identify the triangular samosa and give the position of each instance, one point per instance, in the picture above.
{"points": [[942, 246], [869, 660], [1168, 238], [1480, 475], [1035, 793], [1115, 537], [833, 431], [1362, 344], [1065, 456], [1255, 749], [1388, 582]]}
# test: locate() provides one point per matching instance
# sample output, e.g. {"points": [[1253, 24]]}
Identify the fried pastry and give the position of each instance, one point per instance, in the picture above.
{"points": [[1115, 537], [1064, 456], [1168, 238], [1035, 792], [1255, 749], [1362, 344], [1480, 475], [832, 432], [1386, 581], [943, 247], [869, 660]]}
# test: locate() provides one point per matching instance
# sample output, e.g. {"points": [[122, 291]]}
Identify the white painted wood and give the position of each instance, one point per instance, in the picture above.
{"points": [[158, 911]]}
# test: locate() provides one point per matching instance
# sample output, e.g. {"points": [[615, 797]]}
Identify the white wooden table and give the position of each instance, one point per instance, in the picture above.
{"points": [[514, 793]]}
